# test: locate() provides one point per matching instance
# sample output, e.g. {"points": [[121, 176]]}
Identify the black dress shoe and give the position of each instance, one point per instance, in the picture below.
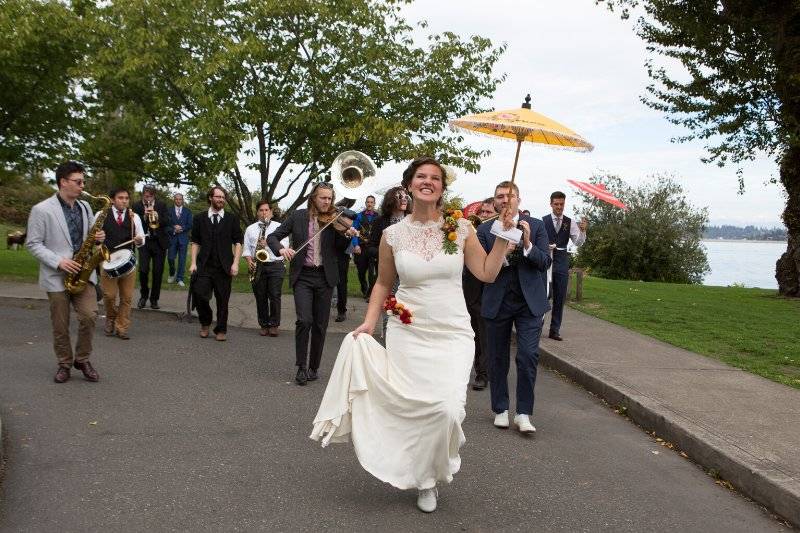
{"points": [[555, 336], [341, 317], [154, 304], [479, 383], [301, 377], [311, 374], [142, 303], [62, 375]]}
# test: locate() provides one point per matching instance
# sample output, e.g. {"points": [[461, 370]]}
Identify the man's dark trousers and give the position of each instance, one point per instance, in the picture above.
{"points": [[367, 265], [341, 287], [267, 291], [560, 280], [151, 252], [513, 311], [212, 278], [312, 300], [473, 291]]}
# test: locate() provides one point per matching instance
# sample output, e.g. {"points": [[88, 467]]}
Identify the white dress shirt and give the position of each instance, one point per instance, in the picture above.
{"points": [[251, 240], [577, 236], [211, 214], [137, 222]]}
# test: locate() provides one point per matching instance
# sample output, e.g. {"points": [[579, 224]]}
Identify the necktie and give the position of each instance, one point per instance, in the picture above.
{"points": [[216, 218], [177, 212], [558, 224], [119, 217]]}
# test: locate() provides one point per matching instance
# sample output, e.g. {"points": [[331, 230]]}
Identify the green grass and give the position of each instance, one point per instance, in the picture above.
{"points": [[19, 265], [752, 329]]}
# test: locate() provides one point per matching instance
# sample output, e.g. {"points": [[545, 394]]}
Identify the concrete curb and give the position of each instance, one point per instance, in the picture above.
{"points": [[761, 480]]}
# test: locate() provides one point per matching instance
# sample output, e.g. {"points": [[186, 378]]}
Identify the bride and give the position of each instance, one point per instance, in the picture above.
{"points": [[402, 406]]}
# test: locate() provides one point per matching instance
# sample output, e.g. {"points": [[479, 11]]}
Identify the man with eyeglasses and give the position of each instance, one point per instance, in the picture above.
{"points": [[57, 228], [313, 273], [216, 249]]}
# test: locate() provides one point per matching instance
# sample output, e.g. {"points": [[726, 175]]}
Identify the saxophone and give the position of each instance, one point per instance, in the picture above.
{"points": [[261, 253], [87, 256]]}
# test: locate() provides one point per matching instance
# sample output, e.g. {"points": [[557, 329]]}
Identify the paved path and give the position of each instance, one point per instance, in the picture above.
{"points": [[187, 434], [742, 426]]}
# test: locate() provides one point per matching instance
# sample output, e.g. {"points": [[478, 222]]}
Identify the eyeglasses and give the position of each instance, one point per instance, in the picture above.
{"points": [[324, 185], [78, 182]]}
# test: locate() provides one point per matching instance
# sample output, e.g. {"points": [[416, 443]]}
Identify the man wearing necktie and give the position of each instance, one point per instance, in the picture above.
{"points": [[518, 298], [216, 249], [560, 230], [179, 233]]}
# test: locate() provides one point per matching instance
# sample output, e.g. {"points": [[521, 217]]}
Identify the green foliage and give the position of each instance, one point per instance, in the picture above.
{"points": [[739, 89], [746, 328], [180, 91], [40, 45], [20, 193], [657, 239]]}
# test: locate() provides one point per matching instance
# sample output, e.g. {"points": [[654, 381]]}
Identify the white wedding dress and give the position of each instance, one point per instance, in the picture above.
{"points": [[402, 406]]}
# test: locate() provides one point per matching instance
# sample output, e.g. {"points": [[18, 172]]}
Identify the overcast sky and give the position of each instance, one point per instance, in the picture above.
{"points": [[584, 67]]}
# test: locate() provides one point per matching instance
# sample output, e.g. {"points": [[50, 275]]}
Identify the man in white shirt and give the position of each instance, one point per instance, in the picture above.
{"points": [[560, 230], [123, 230], [266, 277]]}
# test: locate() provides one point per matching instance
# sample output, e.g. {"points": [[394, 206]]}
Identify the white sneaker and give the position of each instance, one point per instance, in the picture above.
{"points": [[426, 501], [523, 422], [180, 283], [171, 279], [501, 420]]}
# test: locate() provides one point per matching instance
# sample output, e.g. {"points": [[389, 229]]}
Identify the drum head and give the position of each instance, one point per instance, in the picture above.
{"points": [[117, 259]]}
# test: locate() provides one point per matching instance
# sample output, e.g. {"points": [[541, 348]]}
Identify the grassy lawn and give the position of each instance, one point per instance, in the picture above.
{"points": [[21, 266], [752, 329]]}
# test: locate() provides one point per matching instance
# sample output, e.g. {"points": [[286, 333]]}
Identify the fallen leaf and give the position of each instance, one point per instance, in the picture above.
{"points": [[93, 423]]}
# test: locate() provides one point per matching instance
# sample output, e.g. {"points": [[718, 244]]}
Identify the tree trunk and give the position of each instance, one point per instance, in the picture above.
{"points": [[787, 269]]}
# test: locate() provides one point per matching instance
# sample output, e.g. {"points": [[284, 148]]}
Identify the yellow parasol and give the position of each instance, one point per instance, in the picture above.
{"points": [[523, 124]]}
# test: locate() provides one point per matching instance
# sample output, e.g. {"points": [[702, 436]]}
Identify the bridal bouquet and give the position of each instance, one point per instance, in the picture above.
{"points": [[393, 307]]}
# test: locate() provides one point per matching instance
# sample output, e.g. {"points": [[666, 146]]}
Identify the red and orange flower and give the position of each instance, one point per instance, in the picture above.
{"points": [[449, 227], [393, 307]]}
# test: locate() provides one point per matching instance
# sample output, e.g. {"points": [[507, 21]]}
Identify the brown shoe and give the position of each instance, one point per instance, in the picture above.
{"points": [[204, 332], [88, 372], [263, 332], [122, 335], [220, 336], [62, 374], [273, 331], [108, 329]]}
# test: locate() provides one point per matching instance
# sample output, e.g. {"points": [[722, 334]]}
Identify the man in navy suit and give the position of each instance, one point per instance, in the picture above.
{"points": [[178, 239], [518, 297], [560, 230]]}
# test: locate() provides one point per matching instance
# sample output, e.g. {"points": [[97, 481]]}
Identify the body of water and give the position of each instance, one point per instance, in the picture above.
{"points": [[751, 263]]}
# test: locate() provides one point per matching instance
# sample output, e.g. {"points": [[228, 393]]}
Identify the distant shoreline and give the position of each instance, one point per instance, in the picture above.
{"points": [[743, 240]]}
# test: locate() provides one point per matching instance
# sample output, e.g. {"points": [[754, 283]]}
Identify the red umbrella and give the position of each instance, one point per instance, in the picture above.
{"points": [[472, 209], [599, 191]]}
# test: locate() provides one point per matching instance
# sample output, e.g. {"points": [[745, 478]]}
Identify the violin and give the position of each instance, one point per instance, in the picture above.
{"points": [[341, 219]]}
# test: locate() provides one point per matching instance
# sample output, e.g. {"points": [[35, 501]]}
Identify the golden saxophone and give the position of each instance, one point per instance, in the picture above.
{"points": [[261, 253], [87, 256]]}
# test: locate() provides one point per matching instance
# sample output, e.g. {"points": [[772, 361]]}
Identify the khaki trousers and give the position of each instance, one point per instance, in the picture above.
{"points": [[85, 304], [118, 315]]}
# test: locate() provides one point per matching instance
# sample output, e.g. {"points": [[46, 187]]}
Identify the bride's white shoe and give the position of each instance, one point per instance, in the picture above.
{"points": [[426, 501]]}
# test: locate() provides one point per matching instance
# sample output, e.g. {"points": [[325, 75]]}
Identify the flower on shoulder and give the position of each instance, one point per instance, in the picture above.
{"points": [[451, 217]]}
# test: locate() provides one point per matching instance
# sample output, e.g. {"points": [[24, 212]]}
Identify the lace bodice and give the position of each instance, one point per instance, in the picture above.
{"points": [[423, 239]]}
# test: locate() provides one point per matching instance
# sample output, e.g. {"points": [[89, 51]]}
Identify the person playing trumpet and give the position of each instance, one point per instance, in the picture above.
{"points": [[155, 215], [313, 273], [266, 269]]}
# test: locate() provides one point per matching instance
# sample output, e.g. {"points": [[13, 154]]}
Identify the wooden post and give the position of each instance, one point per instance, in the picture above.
{"points": [[578, 284]]}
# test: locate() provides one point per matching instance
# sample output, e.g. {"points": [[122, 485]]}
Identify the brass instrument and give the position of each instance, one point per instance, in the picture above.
{"points": [[262, 256], [477, 221], [87, 256], [151, 216]]}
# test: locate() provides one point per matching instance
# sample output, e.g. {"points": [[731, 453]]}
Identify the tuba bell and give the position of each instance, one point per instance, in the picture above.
{"points": [[351, 174]]}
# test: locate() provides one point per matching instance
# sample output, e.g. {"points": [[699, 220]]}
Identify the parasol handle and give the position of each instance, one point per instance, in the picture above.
{"points": [[516, 159]]}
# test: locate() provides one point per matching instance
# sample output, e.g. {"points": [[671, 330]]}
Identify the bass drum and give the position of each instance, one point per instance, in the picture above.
{"points": [[120, 264]]}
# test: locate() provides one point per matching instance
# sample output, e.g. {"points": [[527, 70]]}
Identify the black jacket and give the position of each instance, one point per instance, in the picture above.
{"points": [[228, 234], [159, 234], [296, 228]]}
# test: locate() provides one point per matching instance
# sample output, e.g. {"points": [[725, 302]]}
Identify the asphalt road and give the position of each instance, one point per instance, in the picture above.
{"points": [[185, 434]]}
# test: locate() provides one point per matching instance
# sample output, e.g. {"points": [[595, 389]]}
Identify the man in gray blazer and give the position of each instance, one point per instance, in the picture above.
{"points": [[57, 228]]}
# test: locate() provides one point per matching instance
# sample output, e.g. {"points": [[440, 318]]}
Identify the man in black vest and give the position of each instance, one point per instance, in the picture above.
{"points": [[216, 249], [313, 273], [560, 230], [155, 217], [121, 225]]}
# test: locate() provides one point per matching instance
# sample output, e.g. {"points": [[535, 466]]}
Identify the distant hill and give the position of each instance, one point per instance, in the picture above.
{"points": [[752, 233]]}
